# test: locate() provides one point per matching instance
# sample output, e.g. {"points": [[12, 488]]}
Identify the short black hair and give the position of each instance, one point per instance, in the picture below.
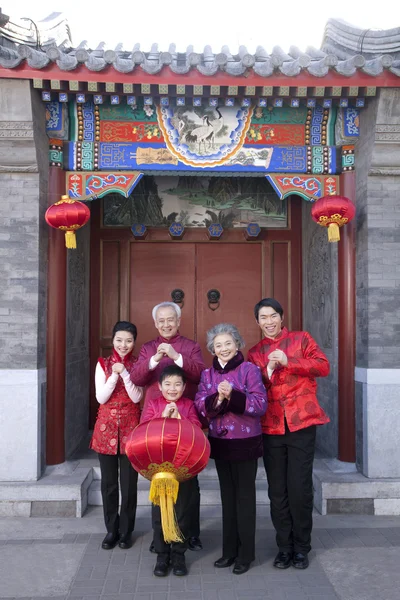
{"points": [[170, 371], [268, 302], [124, 326]]}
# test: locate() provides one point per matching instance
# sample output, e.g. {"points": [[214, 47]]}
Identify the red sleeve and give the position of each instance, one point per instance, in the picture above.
{"points": [[314, 363], [140, 373], [150, 411], [254, 358], [192, 415], [193, 363]]}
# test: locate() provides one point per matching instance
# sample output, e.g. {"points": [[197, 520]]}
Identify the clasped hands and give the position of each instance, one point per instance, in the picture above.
{"points": [[277, 358], [171, 411], [165, 350], [224, 391], [118, 368]]}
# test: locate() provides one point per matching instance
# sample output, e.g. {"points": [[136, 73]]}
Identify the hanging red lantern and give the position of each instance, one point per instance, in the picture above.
{"points": [[167, 451], [333, 212], [68, 215]]}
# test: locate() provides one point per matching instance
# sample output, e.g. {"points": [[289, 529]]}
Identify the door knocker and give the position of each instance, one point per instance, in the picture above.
{"points": [[213, 297], [178, 296]]}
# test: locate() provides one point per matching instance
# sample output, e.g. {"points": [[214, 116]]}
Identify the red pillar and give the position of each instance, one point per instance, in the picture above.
{"points": [[347, 328], [56, 330]]}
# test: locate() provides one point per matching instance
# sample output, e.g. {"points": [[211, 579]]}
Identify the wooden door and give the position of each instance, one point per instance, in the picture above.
{"points": [[155, 271], [235, 270], [128, 277]]}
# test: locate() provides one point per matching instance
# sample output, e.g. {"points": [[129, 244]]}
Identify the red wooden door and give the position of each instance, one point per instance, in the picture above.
{"points": [[155, 271], [235, 270]]}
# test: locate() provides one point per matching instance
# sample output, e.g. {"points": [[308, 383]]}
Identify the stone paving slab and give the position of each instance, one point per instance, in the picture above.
{"points": [[38, 569], [353, 558]]}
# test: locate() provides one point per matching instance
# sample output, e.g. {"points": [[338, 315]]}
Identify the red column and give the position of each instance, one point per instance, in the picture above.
{"points": [[347, 327], [56, 330]]}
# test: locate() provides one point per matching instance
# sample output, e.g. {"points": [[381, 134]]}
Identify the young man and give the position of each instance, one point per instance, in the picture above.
{"points": [[171, 404], [289, 361], [171, 348]]}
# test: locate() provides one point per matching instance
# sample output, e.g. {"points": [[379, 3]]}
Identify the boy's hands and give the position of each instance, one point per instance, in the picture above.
{"points": [[171, 411]]}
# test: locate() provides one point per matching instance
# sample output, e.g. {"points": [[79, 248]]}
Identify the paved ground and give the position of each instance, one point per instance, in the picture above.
{"points": [[353, 558]]}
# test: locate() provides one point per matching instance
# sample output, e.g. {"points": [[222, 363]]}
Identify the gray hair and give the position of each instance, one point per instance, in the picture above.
{"points": [[176, 308], [224, 328]]}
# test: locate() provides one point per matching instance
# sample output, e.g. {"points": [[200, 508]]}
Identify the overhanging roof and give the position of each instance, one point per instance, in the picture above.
{"points": [[45, 51]]}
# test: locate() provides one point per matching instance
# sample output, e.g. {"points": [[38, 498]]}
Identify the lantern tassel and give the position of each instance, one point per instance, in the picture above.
{"points": [[164, 489], [333, 232], [70, 240]]}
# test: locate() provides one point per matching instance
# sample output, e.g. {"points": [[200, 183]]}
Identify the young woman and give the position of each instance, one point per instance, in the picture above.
{"points": [[118, 415]]}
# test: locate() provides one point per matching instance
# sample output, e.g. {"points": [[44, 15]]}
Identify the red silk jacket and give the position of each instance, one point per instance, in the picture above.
{"points": [[118, 416], [155, 407], [291, 389], [193, 365]]}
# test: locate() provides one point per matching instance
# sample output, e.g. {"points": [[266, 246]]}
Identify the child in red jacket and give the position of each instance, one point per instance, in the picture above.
{"points": [[172, 404]]}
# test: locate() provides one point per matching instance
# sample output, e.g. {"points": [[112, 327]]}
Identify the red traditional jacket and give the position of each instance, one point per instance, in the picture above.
{"points": [[193, 365], [119, 415], [291, 389], [155, 407]]}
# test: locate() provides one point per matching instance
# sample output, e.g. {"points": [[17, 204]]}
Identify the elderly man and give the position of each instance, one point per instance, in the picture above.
{"points": [[168, 348]]}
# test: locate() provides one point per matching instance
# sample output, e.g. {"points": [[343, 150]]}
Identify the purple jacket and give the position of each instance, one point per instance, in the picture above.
{"points": [[234, 425], [193, 364]]}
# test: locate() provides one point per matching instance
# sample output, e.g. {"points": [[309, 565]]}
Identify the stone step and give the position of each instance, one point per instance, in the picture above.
{"points": [[61, 492], [209, 490], [340, 489]]}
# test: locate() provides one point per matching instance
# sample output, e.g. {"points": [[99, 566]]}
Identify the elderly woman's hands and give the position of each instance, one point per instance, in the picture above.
{"points": [[224, 391]]}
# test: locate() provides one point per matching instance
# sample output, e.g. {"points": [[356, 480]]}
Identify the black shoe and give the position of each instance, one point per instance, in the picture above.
{"points": [[161, 568], [125, 541], [152, 548], [223, 563], [110, 541], [300, 560], [240, 568], [195, 544], [283, 560], [179, 567]]}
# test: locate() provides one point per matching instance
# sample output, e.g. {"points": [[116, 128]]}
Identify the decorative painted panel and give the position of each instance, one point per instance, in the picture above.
{"points": [[57, 120], [309, 188], [236, 137], [86, 186], [196, 202]]}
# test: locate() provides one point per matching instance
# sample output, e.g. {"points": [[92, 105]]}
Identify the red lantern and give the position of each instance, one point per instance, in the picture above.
{"points": [[167, 451], [333, 212], [68, 215]]}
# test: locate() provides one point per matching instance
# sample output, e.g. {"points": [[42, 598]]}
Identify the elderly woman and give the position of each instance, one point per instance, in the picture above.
{"points": [[232, 397]]}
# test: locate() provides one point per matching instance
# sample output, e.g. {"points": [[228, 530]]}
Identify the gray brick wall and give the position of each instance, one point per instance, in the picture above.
{"points": [[320, 318], [23, 232], [378, 233]]}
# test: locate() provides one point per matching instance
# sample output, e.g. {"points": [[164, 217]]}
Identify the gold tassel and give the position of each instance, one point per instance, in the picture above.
{"points": [[164, 489], [70, 240], [333, 232]]}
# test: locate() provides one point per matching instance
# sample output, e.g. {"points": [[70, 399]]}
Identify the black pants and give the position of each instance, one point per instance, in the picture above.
{"points": [[237, 480], [288, 461], [184, 517], [125, 522]]}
